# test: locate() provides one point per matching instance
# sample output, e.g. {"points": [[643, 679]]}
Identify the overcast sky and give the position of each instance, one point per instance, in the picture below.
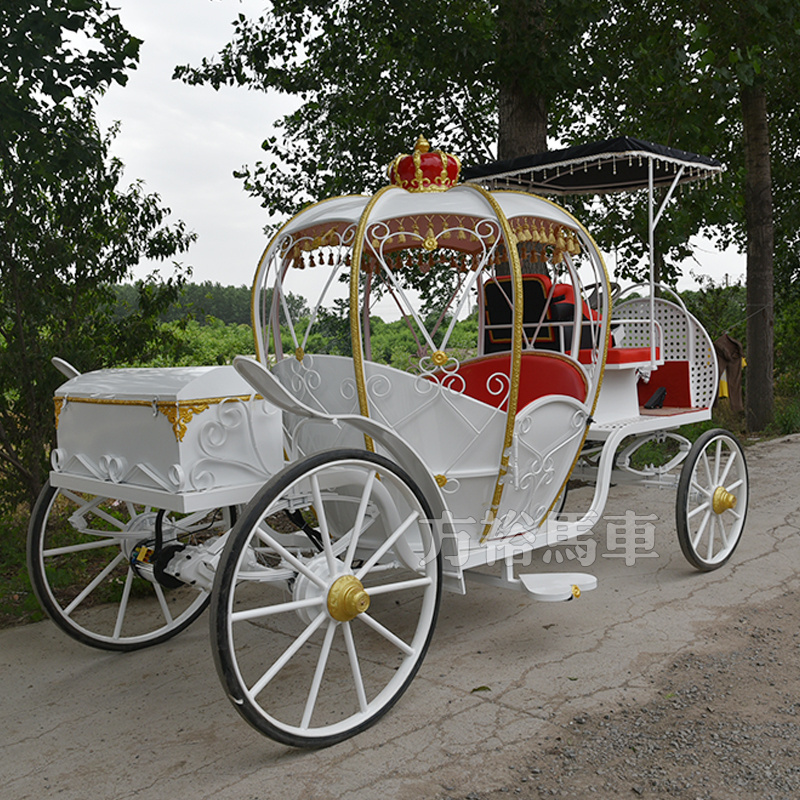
{"points": [[186, 141]]}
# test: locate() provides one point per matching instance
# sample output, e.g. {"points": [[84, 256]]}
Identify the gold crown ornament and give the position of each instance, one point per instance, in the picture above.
{"points": [[425, 170]]}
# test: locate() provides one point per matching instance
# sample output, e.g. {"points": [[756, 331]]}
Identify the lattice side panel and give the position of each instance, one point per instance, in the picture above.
{"points": [[703, 371], [673, 321]]}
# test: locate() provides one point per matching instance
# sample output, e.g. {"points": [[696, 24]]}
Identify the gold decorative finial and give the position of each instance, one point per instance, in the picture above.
{"points": [[422, 145]]}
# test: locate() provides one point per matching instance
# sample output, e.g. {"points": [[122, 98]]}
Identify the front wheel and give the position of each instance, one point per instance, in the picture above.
{"points": [[326, 598], [712, 500]]}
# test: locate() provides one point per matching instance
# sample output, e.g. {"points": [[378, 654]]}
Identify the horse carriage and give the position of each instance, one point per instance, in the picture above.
{"points": [[320, 502]]}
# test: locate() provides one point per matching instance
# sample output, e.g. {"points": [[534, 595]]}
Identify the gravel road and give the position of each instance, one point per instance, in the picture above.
{"points": [[722, 723]]}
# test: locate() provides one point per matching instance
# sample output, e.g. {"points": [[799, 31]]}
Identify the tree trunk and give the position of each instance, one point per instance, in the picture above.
{"points": [[522, 106], [523, 122], [760, 253]]}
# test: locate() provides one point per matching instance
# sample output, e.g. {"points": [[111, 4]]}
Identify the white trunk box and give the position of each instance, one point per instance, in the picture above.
{"points": [[182, 438]]}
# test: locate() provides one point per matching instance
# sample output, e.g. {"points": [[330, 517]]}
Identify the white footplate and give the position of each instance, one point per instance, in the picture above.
{"points": [[551, 587]]}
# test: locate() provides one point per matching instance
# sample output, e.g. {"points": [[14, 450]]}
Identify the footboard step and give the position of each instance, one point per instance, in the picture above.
{"points": [[552, 587]]}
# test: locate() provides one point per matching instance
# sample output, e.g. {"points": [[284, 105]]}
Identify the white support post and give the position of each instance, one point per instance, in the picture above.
{"points": [[652, 248]]}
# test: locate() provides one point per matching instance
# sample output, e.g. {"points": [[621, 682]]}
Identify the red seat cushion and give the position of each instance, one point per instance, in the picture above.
{"points": [[620, 355], [541, 374]]}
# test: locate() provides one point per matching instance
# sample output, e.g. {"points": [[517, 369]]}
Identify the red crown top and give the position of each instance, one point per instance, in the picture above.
{"points": [[425, 171]]}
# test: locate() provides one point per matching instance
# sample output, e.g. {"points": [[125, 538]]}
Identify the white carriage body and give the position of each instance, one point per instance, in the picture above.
{"points": [[393, 480], [178, 438]]}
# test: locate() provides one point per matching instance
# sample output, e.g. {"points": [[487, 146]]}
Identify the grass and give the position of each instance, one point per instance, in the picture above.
{"points": [[18, 604]]}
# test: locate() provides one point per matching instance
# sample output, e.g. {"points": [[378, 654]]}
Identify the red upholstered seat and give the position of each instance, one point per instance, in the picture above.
{"points": [[541, 374]]}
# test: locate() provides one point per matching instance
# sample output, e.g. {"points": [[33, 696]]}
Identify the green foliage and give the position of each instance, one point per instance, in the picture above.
{"points": [[720, 308], [18, 603], [41, 66], [207, 301], [196, 344], [68, 232], [787, 416]]}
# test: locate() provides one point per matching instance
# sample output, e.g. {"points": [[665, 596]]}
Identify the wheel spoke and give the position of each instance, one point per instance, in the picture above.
{"points": [[102, 514], [90, 587], [731, 461], [697, 510], [736, 484], [123, 604], [355, 667], [322, 518], [162, 601], [722, 532], [711, 529], [701, 529], [289, 558], [708, 469], [717, 461], [379, 553], [387, 634], [279, 608], [322, 662], [399, 586], [286, 656], [357, 527], [77, 548]]}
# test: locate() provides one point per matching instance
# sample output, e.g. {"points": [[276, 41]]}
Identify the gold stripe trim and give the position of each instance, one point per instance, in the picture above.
{"points": [[355, 318], [178, 412], [516, 352]]}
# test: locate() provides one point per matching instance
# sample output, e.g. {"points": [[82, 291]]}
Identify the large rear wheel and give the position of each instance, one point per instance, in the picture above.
{"points": [[96, 562]]}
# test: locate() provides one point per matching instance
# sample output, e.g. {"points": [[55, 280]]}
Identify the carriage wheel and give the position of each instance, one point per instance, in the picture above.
{"points": [[326, 598], [92, 567], [712, 500]]}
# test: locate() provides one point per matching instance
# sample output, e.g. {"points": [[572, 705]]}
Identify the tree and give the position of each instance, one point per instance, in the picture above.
{"points": [[704, 77], [370, 77], [67, 229]]}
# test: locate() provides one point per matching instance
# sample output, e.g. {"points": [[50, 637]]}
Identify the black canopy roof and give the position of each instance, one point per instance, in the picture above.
{"points": [[614, 165]]}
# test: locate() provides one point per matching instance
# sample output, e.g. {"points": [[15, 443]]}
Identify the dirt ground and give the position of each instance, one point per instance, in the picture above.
{"points": [[722, 723]]}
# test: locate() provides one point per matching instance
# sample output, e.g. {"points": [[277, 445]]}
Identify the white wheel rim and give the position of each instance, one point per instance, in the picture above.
{"points": [[297, 699]]}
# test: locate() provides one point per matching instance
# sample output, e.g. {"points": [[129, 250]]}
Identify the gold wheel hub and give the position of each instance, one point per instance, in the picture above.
{"points": [[723, 500], [347, 598]]}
